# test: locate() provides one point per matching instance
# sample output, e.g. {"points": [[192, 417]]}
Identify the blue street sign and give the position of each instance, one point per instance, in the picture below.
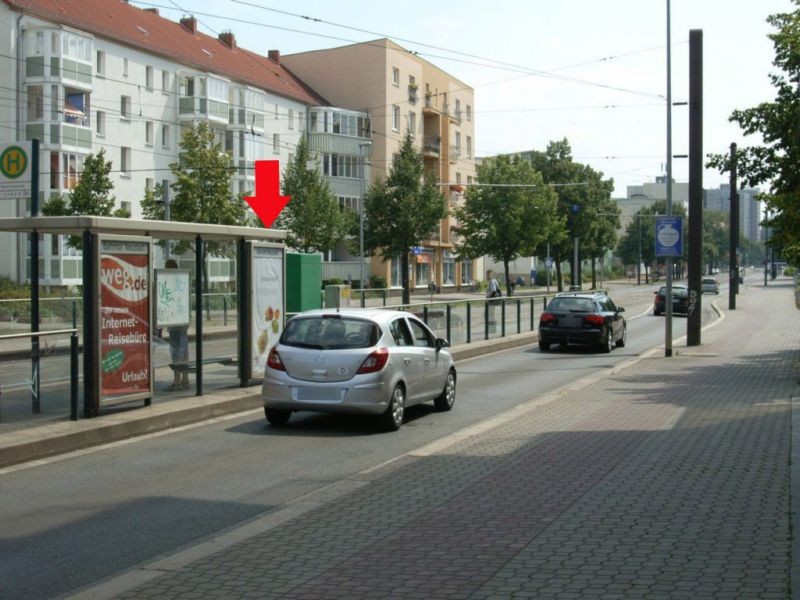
{"points": [[669, 236]]}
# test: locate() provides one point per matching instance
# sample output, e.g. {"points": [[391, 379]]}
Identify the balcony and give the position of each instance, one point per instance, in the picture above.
{"points": [[455, 153], [194, 107], [432, 146]]}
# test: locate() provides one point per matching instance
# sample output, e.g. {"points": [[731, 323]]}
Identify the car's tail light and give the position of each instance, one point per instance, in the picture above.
{"points": [[594, 319], [274, 360], [547, 317], [660, 298], [374, 362]]}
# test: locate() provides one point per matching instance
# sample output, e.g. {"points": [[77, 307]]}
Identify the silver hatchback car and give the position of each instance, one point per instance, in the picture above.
{"points": [[363, 361]]}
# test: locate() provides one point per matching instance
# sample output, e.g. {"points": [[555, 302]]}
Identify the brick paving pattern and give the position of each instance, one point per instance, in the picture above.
{"points": [[669, 479]]}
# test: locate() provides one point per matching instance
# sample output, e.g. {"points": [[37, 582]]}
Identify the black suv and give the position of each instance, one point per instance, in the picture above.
{"points": [[582, 318]]}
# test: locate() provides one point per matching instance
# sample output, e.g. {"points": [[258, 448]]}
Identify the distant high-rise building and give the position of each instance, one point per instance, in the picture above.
{"points": [[749, 208]]}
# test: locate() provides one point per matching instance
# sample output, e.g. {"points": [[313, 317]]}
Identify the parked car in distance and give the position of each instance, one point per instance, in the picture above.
{"points": [[359, 361], [680, 299], [709, 285], [582, 318]]}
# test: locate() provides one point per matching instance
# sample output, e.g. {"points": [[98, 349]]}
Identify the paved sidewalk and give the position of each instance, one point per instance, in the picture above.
{"points": [[667, 478]]}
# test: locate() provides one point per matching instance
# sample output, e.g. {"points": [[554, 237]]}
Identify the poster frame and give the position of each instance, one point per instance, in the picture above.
{"points": [[99, 399], [251, 338], [160, 274]]}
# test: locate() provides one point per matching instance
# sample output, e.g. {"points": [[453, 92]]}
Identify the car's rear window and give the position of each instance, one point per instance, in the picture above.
{"points": [[330, 332], [572, 305], [708, 280]]}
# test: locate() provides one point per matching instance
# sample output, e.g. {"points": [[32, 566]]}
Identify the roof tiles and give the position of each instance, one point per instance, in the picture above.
{"points": [[144, 30]]}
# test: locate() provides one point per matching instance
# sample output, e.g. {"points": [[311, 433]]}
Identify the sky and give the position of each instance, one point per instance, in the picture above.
{"points": [[591, 71]]}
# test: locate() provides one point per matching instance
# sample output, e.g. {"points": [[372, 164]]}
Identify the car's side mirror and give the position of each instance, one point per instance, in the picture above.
{"points": [[441, 343], [620, 309]]}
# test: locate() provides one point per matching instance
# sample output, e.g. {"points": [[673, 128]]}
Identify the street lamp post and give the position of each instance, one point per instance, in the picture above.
{"points": [[668, 298], [362, 156]]}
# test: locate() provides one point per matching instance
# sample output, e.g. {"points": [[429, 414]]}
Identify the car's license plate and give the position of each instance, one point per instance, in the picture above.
{"points": [[318, 394]]}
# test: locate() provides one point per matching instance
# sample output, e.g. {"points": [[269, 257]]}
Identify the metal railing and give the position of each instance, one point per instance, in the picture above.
{"points": [[73, 366]]}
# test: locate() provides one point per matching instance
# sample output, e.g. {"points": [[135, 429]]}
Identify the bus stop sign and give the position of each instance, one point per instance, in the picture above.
{"points": [[15, 170]]}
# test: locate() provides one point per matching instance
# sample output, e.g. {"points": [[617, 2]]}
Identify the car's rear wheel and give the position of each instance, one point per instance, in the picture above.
{"points": [[609, 342], [544, 346], [624, 339], [392, 418], [445, 400], [276, 416]]}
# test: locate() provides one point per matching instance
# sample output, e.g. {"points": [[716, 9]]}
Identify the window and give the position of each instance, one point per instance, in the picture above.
{"points": [[125, 67], [469, 147], [458, 142], [448, 269], [412, 123], [165, 81], [458, 109], [101, 63], [395, 118], [35, 103], [54, 170], [148, 77], [469, 113], [276, 111], [70, 168], [276, 143], [466, 272], [148, 133], [396, 76], [125, 205], [422, 337], [125, 161], [101, 123], [125, 107], [149, 184], [400, 332], [291, 119], [165, 136]]}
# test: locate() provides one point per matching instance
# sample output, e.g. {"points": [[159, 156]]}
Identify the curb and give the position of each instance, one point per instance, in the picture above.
{"points": [[59, 438]]}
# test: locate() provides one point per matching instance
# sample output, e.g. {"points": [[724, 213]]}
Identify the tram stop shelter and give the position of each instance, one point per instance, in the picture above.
{"points": [[119, 304]]}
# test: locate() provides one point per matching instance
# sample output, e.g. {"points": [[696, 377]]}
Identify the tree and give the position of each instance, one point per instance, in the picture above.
{"points": [[202, 190], [583, 200], [403, 210], [313, 218], [509, 221], [716, 239], [774, 163], [91, 196]]}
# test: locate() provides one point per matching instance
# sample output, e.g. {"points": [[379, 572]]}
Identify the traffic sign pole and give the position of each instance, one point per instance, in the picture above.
{"points": [[35, 371]]}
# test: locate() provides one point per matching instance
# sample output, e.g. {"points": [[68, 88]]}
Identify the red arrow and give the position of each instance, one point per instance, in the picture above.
{"points": [[268, 202]]}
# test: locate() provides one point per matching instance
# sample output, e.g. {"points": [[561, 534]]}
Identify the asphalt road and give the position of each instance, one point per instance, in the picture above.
{"points": [[72, 521]]}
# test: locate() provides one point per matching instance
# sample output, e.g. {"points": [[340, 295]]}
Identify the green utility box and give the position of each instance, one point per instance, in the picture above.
{"points": [[303, 282]]}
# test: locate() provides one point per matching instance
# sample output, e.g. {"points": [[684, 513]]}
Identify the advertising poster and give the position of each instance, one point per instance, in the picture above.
{"points": [[124, 325], [267, 316]]}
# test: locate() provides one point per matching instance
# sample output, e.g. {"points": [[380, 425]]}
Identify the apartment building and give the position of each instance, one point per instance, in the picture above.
{"points": [[102, 74], [402, 92]]}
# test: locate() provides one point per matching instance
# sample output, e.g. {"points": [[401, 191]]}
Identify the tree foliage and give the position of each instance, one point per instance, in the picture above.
{"points": [[313, 219], [403, 210], [584, 203], [509, 220], [775, 162], [90, 196], [202, 189]]}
